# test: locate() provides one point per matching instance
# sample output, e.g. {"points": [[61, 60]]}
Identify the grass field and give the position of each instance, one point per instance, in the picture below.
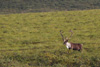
{"points": [[34, 40]]}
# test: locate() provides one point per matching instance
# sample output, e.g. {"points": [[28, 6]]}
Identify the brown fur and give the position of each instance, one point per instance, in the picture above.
{"points": [[76, 46]]}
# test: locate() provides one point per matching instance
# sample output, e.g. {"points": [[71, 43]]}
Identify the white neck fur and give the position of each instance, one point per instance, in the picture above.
{"points": [[68, 45]]}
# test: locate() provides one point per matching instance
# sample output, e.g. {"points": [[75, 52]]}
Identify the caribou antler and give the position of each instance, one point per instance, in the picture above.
{"points": [[62, 35], [71, 34]]}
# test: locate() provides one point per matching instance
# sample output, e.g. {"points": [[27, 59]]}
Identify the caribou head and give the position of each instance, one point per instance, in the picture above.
{"points": [[69, 45]]}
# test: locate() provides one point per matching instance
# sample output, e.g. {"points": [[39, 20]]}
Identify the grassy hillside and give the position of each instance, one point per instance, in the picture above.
{"points": [[33, 39], [23, 6]]}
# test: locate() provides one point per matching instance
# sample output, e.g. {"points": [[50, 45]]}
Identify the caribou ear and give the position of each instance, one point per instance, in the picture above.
{"points": [[64, 40]]}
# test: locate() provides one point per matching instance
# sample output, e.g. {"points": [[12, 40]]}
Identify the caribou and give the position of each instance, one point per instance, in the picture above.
{"points": [[74, 46]]}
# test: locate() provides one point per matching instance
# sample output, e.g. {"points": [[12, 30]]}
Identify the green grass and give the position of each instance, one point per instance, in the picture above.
{"points": [[33, 39]]}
